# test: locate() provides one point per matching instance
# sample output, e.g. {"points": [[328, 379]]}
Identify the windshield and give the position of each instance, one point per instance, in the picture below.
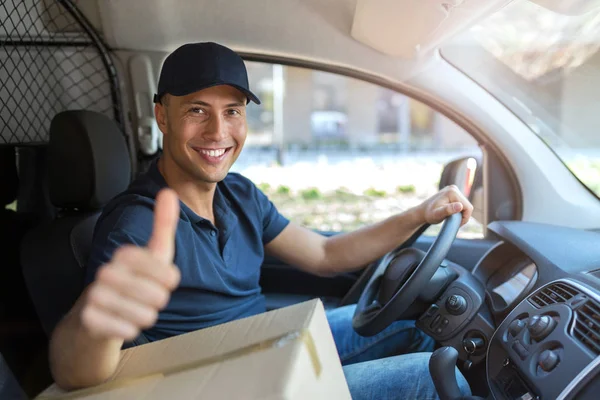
{"points": [[545, 67]]}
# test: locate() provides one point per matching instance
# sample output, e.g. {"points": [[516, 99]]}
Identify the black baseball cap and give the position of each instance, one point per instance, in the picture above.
{"points": [[196, 66]]}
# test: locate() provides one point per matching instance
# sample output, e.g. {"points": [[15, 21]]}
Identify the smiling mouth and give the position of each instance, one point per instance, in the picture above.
{"points": [[212, 155]]}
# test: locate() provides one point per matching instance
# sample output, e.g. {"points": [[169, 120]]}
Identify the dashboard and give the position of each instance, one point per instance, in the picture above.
{"points": [[542, 288], [529, 312], [548, 346]]}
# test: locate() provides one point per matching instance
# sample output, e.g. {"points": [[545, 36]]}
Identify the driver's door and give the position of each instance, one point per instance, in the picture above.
{"points": [[334, 153]]}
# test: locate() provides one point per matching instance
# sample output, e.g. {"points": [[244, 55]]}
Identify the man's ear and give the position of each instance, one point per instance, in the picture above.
{"points": [[160, 112]]}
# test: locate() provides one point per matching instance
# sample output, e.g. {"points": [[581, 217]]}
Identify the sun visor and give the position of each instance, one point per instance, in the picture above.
{"points": [[409, 28]]}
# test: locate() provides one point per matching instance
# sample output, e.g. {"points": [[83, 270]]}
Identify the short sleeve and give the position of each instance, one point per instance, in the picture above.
{"points": [[130, 225], [272, 221]]}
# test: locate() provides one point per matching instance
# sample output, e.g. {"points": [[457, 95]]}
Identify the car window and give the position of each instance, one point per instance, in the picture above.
{"points": [[545, 67], [335, 153]]}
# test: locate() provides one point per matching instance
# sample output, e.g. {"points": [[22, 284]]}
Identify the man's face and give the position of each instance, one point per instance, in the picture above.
{"points": [[204, 132]]}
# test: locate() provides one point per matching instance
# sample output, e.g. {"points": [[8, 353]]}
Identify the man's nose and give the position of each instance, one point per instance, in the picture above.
{"points": [[215, 130]]}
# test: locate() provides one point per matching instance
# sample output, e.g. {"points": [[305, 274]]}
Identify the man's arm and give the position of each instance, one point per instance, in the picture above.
{"points": [[125, 298], [321, 255]]}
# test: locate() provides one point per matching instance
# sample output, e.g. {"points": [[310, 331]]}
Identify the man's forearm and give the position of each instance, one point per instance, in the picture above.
{"points": [[354, 250], [78, 359], [319, 255]]}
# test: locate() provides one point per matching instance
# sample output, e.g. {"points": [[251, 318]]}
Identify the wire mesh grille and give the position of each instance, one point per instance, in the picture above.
{"points": [[48, 64]]}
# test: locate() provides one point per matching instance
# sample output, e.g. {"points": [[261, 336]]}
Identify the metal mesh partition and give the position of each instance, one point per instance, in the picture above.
{"points": [[51, 60]]}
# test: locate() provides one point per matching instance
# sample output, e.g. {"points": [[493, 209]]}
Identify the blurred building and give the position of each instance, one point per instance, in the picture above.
{"points": [[319, 108]]}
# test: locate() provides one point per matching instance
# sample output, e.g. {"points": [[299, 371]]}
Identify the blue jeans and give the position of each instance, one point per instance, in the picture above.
{"points": [[393, 364]]}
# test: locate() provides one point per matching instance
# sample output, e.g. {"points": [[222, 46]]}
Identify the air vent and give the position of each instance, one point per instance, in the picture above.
{"points": [[555, 293], [586, 328]]}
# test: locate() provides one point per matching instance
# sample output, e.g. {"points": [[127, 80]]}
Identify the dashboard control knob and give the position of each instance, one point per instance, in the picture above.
{"points": [[456, 304], [516, 327], [548, 360], [540, 326], [471, 345]]}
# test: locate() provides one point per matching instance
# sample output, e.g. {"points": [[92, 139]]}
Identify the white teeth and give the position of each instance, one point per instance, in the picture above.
{"points": [[213, 153]]}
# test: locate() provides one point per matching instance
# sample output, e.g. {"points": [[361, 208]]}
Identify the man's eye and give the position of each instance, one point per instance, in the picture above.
{"points": [[197, 110], [233, 112]]}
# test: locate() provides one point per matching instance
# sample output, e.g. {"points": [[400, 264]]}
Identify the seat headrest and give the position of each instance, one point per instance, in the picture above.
{"points": [[8, 176], [88, 160]]}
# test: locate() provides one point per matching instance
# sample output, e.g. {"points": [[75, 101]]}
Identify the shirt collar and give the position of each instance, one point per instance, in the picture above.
{"points": [[220, 202]]}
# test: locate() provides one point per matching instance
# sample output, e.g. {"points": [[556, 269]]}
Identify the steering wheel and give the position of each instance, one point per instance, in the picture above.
{"points": [[398, 280]]}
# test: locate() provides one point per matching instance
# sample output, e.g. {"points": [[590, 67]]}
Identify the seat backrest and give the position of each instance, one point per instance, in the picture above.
{"points": [[9, 220], [88, 164], [14, 300], [33, 197], [8, 175]]}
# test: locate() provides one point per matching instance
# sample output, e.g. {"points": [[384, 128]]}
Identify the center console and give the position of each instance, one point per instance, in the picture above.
{"points": [[548, 347], [457, 319]]}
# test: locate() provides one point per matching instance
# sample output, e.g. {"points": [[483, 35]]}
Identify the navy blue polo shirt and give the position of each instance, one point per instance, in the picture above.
{"points": [[220, 265]]}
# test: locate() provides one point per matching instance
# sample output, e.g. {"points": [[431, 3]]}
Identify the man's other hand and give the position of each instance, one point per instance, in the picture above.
{"points": [[446, 202], [136, 284]]}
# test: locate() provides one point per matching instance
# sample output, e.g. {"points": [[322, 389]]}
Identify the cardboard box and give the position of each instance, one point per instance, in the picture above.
{"points": [[282, 354]]}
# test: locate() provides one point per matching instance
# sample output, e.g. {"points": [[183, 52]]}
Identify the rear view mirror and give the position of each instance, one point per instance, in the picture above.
{"points": [[467, 174]]}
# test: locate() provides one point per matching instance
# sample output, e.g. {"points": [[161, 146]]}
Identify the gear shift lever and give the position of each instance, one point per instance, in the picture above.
{"points": [[441, 368]]}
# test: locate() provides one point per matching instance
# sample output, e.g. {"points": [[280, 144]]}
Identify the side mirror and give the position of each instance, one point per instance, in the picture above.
{"points": [[467, 174]]}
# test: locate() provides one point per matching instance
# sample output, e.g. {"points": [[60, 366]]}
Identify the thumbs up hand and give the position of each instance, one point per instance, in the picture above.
{"points": [[136, 284]]}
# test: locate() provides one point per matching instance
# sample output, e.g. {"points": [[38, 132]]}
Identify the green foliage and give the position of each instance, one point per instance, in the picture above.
{"points": [[283, 190], [372, 192], [406, 189], [311, 194], [344, 195]]}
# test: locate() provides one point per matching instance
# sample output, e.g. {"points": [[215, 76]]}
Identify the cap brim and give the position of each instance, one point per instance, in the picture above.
{"points": [[249, 95]]}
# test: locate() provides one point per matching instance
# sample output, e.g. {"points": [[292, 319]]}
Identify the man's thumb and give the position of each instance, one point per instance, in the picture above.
{"points": [[166, 217]]}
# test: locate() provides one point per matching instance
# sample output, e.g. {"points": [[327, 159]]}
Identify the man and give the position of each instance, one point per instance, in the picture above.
{"points": [[217, 235]]}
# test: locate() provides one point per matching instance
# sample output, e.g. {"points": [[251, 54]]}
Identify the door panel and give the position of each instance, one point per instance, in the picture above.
{"points": [[284, 285]]}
